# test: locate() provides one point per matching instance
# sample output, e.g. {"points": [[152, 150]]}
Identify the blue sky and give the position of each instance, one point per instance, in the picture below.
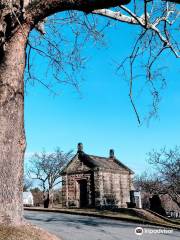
{"points": [[101, 117]]}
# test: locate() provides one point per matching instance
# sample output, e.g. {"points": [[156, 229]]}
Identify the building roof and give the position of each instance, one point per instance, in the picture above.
{"points": [[95, 162]]}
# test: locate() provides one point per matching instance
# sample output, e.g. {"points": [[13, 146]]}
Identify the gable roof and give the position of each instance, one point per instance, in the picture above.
{"points": [[98, 162]]}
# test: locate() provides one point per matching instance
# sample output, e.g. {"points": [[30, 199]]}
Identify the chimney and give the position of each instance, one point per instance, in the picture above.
{"points": [[80, 147], [111, 153]]}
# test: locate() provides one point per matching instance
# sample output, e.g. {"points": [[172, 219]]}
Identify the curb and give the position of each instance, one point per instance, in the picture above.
{"points": [[89, 214]]}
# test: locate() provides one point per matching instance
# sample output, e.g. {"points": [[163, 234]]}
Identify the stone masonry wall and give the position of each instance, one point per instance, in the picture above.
{"points": [[112, 189], [71, 191]]}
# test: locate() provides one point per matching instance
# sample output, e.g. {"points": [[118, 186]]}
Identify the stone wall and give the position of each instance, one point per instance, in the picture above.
{"points": [[70, 184], [108, 189], [71, 189], [112, 189]]}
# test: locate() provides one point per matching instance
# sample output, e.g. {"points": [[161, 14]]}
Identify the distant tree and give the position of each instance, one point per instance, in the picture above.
{"points": [[46, 168], [27, 184], [147, 182], [166, 176], [35, 190]]}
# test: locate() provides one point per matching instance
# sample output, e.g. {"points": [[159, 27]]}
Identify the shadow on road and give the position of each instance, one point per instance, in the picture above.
{"points": [[89, 221]]}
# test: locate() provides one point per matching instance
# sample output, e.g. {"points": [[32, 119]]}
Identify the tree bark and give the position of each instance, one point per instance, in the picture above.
{"points": [[12, 135], [43, 8], [16, 25]]}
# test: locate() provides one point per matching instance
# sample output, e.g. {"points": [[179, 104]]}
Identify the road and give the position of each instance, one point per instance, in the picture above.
{"points": [[76, 227]]}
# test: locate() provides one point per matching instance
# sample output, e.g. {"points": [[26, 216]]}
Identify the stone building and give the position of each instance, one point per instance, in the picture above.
{"points": [[93, 181]]}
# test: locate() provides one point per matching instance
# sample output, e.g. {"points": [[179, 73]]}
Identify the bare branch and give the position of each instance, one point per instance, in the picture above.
{"points": [[157, 20], [116, 16], [46, 167]]}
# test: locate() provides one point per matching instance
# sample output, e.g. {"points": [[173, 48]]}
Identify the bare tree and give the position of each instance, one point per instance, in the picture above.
{"points": [[17, 19], [27, 184], [46, 168], [147, 183], [166, 176]]}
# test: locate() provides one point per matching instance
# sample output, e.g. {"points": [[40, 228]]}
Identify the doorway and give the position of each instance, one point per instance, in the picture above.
{"points": [[83, 194]]}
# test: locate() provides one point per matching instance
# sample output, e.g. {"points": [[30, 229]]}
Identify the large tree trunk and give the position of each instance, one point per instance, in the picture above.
{"points": [[13, 15], [12, 135]]}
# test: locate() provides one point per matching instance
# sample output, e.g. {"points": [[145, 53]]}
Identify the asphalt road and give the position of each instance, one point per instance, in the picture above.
{"points": [[76, 227]]}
